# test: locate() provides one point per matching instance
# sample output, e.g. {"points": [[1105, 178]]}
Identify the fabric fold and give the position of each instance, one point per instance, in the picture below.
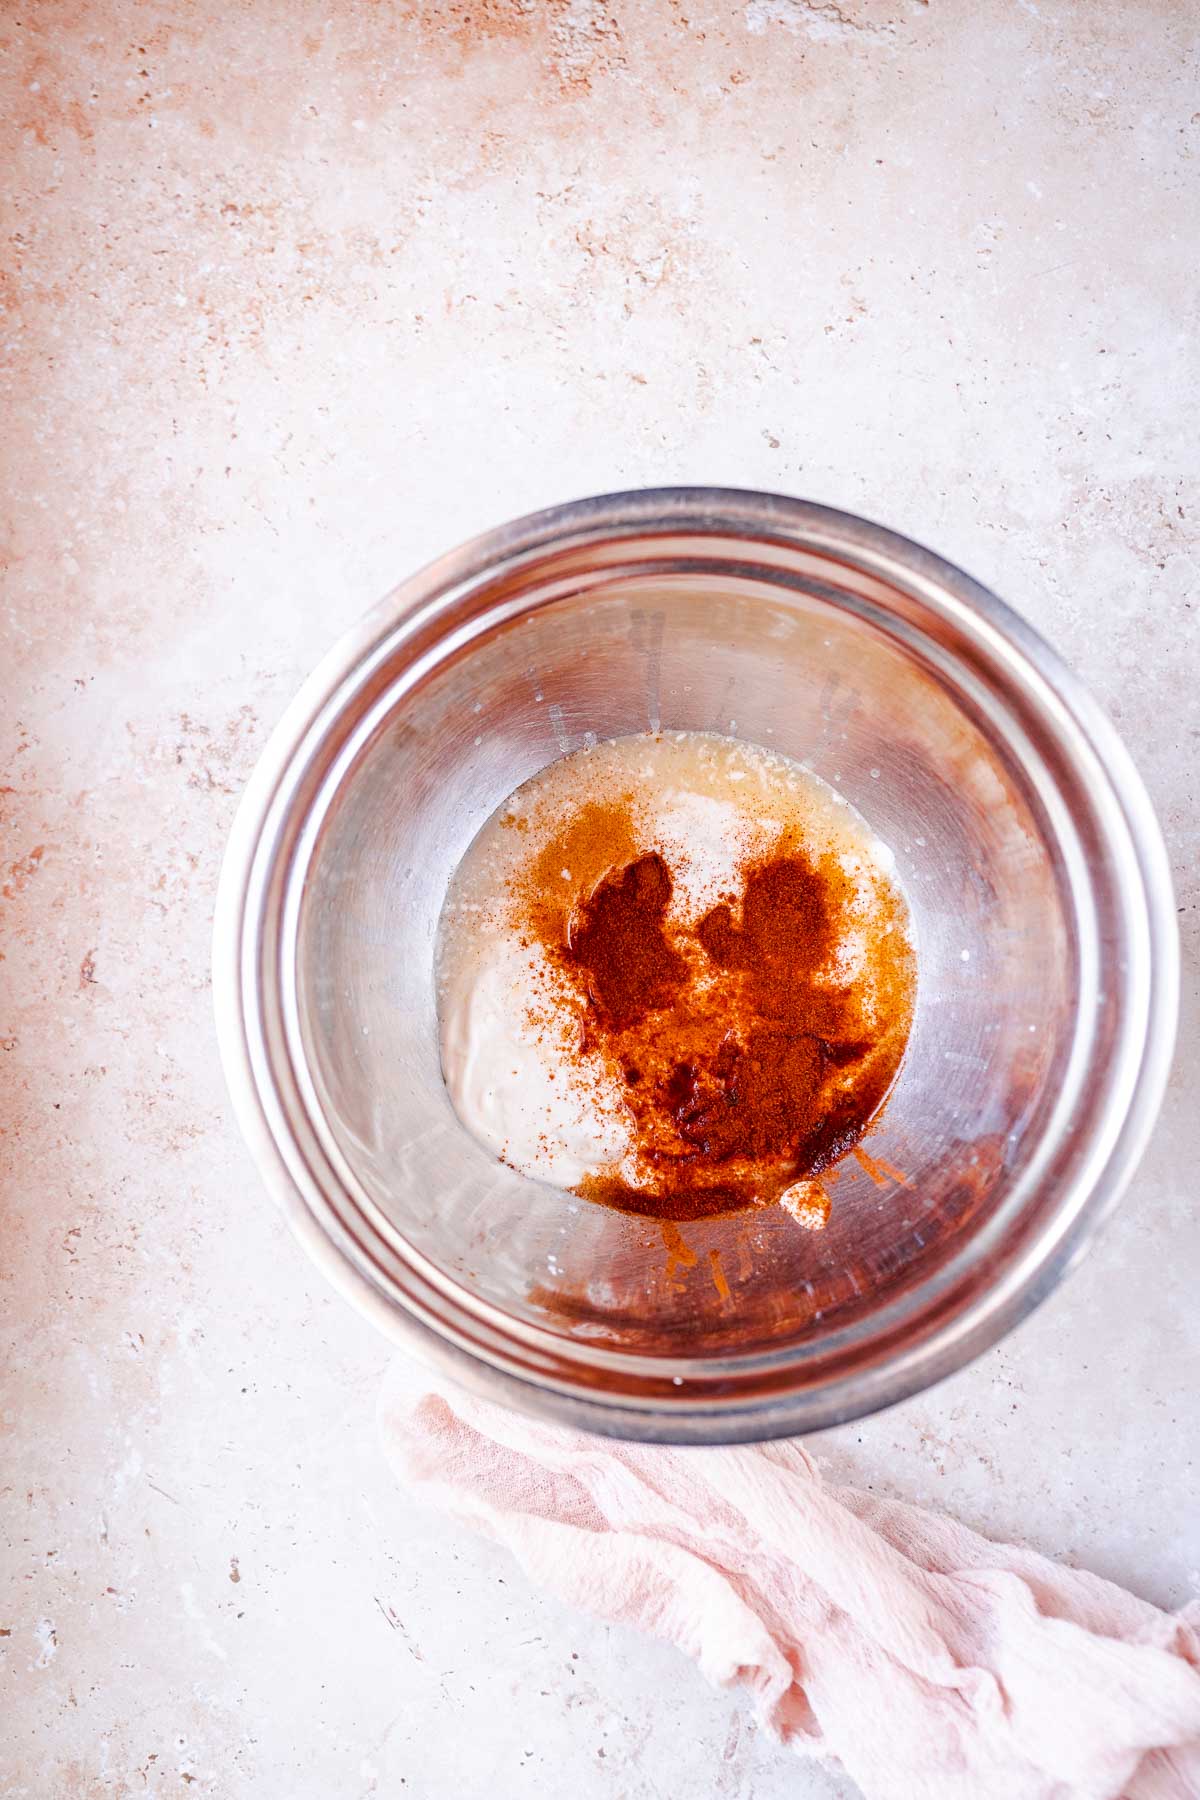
{"points": [[927, 1660]]}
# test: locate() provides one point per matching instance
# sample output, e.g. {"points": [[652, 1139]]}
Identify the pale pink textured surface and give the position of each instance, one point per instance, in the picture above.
{"points": [[296, 297]]}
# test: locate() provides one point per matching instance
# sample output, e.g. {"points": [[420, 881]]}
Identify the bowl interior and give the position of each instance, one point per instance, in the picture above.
{"points": [[942, 772]]}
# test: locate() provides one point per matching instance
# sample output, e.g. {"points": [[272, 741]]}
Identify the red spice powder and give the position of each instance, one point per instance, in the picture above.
{"points": [[744, 1067], [619, 945]]}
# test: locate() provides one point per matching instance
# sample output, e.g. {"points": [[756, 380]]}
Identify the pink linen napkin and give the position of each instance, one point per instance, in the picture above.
{"points": [[927, 1660]]}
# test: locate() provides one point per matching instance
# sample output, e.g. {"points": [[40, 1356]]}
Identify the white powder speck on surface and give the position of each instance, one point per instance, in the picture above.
{"points": [[46, 1638]]}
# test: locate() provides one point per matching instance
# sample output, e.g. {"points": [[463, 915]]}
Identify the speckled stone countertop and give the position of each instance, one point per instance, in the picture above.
{"points": [[297, 296]]}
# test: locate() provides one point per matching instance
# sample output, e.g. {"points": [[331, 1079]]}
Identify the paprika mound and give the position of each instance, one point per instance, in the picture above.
{"points": [[747, 1064]]}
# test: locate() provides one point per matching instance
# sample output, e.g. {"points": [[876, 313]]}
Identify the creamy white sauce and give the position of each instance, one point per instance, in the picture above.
{"points": [[510, 1021]]}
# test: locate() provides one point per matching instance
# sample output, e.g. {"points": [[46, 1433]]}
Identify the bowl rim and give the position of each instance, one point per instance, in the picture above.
{"points": [[424, 612]]}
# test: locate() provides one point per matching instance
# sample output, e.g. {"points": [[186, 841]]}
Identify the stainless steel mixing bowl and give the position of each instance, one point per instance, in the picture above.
{"points": [[1035, 872]]}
